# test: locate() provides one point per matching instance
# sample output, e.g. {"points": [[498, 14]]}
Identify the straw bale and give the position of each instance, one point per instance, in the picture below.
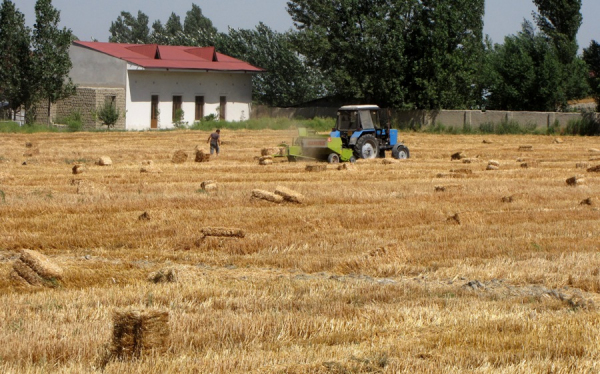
{"points": [[289, 195], [492, 167], [223, 232], [558, 141], [150, 169], [575, 181], [594, 169], [41, 264], [26, 273], [168, 275], [508, 199], [179, 157], [104, 161], [28, 145], [273, 151], [147, 162], [494, 163], [462, 171], [201, 156], [458, 156], [587, 201], [263, 158], [316, 167], [19, 280], [136, 332], [266, 195], [265, 162], [594, 150], [346, 166], [209, 186], [144, 217], [485, 141], [525, 148], [78, 169], [454, 219]]}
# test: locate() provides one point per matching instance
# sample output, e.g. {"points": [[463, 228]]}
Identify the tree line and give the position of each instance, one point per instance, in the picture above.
{"points": [[35, 63], [405, 54]]}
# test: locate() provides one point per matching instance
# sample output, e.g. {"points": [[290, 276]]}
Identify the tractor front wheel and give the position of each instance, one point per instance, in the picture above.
{"points": [[366, 147], [400, 152]]}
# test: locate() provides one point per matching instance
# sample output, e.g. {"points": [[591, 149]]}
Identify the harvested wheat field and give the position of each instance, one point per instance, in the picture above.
{"points": [[425, 265]]}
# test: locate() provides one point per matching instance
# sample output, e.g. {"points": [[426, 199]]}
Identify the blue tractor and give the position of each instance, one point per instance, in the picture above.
{"points": [[358, 126]]}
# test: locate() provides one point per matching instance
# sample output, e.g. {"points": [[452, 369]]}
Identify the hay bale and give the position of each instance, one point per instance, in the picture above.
{"points": [[265, 162], [179, 157], [28, 144], [144, 217], [346, 166], [266, 195], [168, 275], [223, 232], [494, 163], [485, 141], [587, 201], [289, 195], [594, 169], [594, 150], [104, 161], [525, 148], [136, 332], [454, 219], [209, 186], [41, 264], [78, 169], [316, 167], [458, 156], [147, 162], [462, 171], [492, 167], [508, 199], [201, 156], [440, 188], [271, 151], [150, 169], [24, 272], [558, 141], [575, 181]]}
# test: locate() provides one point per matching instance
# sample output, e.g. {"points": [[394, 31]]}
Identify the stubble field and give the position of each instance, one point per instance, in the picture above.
{"points": [[425, 265]]}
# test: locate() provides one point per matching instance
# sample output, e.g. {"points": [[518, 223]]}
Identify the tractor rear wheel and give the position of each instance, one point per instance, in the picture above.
{"points": [[366, 147], [400, 152]]}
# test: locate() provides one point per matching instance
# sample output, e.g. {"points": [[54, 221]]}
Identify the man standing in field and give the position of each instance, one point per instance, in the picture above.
{"points": [[215, 141]]}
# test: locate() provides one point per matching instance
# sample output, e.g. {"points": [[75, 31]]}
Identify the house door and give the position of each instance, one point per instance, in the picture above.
{"points": [[222, 108], [154, 112]]}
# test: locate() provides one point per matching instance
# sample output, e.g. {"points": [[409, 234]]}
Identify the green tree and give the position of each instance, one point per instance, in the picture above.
{"points": [[560, 21], [445, 45], [50, 56], [129, 29], [108, 114], [591, 55], [287, 80], [15, 63], [198, 30]]}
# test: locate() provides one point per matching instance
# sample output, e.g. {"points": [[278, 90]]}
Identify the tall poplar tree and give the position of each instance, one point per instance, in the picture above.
{"points": [[15, 62]]}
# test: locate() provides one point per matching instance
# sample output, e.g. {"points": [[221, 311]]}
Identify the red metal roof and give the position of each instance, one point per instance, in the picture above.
{"points": [[154, 56]]}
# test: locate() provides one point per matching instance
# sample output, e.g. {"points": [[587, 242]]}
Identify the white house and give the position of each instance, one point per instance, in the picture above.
{"points": [[150, 82]]}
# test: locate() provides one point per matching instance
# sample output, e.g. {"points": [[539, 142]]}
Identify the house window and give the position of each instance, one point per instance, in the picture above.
{"points": [[199, 108], [154, 113], [222, 107], [176, 108]]}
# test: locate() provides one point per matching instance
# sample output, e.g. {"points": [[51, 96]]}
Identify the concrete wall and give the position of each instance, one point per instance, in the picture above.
{"points": [[236, 87], [418, 119], [94, 69]]}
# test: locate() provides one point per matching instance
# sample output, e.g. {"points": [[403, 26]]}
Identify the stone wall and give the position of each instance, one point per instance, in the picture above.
{"points": [[449, 118], [85, 101]]}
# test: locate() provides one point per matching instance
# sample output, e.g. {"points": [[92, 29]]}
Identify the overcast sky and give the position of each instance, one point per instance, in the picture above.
{"points": [[91, 19]]}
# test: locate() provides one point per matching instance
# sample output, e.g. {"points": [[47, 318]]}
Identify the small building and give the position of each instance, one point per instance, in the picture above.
{"points": [[150, 84]]}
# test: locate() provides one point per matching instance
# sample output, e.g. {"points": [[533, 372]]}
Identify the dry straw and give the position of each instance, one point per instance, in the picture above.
{"points": [[179, 157], [594, 169], [201, 156], [289, 195], [168, 275], [104, 161], [266, 195], [223, 232], [316, 167], [37, 269], [136, 332]]}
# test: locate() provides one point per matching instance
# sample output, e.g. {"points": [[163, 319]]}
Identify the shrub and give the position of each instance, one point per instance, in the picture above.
{"points": [[108, 114], [73, 121], [587, 125], [178, 119]]}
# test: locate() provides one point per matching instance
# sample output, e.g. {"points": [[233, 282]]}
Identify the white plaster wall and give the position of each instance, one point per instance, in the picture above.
{"points": [[142, 84]]}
